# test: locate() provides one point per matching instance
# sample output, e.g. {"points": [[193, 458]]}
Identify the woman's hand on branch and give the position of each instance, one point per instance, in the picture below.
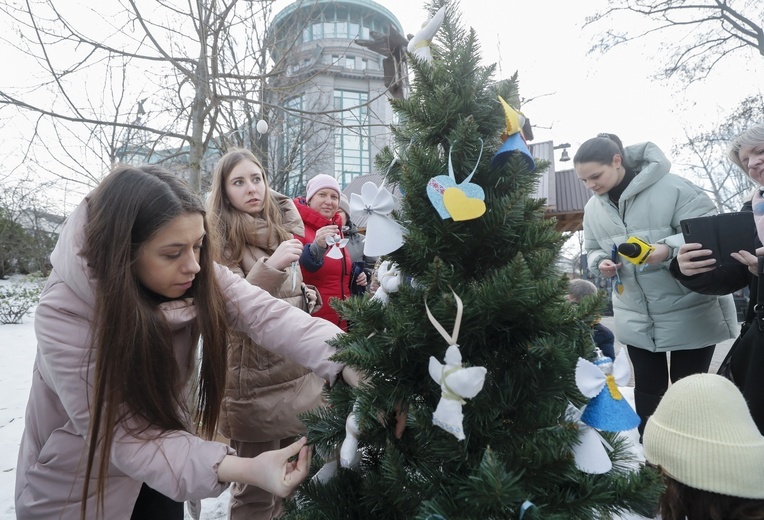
{"points": [[272, 471]]}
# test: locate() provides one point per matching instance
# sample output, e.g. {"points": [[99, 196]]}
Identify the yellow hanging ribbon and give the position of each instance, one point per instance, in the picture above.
{"points": [[423, 43]]}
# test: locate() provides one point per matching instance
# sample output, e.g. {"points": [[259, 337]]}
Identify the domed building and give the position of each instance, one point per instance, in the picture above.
{"points": [[339, 62]]}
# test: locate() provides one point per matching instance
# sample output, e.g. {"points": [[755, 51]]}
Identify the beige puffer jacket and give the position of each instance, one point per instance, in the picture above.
{"points": [[265, 392]]}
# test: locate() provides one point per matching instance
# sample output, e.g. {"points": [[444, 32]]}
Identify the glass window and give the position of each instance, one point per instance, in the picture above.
{"points": [[352, 153], [355, 30], [342, 29], [291, 147], [329, 30], [318, 31], [350, 62]]}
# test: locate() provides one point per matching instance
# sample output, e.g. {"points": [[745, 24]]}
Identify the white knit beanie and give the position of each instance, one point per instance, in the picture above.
{"points": [[702, 435], [320, 182]]}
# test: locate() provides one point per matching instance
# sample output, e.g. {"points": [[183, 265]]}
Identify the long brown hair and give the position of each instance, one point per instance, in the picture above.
{"points": [[680, 502], [230, 226], [136, 377]]}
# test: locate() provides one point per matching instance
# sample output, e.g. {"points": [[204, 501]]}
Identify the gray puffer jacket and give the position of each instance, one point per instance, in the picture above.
{"points": [[655, 312]]}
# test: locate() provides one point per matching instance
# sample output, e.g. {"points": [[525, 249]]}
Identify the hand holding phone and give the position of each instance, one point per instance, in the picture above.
{"points": [[722, 234]]}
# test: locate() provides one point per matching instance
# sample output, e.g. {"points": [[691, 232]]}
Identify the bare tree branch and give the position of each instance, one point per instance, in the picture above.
{"points": [[702, 156], [166, 81], [712, 30]]}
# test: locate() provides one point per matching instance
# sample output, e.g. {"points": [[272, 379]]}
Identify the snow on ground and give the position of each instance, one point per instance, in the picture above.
{"points": [[17, 353]]}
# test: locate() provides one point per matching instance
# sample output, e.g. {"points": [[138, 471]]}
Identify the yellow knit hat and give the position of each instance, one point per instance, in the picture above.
{"points": [[702, 435]]}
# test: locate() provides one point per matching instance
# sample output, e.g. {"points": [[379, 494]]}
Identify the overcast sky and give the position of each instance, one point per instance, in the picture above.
{"points": [[571, 95]]}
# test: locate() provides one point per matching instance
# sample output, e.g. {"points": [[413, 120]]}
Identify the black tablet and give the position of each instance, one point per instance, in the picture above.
{"points": [[722, 234]]}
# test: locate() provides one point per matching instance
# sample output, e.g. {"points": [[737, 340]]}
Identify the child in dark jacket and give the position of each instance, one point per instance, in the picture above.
{"points": [[360, 262], [603, 337]]}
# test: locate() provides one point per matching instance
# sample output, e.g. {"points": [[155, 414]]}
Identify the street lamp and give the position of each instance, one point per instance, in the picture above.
{"points": [[564, 157]]}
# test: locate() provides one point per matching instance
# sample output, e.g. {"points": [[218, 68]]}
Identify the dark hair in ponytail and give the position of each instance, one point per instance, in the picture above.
{"points": [[601, 149]]}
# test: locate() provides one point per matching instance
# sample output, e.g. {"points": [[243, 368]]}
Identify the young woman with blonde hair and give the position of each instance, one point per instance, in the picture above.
{"points": [[254, 228]]}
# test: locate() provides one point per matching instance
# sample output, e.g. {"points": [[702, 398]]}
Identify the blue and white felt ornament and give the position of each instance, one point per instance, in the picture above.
{"points": [[463, 201], [607, 409], [513, 138], [590, 452]]}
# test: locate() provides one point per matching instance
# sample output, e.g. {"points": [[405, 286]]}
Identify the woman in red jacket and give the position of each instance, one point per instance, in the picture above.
{"points": [[325, 262]]}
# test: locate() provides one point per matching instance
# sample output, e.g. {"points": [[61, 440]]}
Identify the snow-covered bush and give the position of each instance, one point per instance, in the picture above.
{"points": [[19, 297]]}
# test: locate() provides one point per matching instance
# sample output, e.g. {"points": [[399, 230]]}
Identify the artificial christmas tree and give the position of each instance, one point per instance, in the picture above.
{"points": [[476, 346]]}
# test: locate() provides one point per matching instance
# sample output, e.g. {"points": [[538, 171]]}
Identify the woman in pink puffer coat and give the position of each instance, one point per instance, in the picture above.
{"points": [[112, 419]]}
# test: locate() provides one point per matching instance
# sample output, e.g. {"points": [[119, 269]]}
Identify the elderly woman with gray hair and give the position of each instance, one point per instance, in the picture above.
{"points": [[703, 275]]}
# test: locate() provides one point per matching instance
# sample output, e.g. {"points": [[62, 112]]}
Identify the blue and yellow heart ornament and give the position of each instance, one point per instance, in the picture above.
{"points": [[513, 138], [464, 201]]}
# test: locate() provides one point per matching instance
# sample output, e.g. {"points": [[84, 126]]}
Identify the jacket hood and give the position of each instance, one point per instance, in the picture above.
{"points": [[292, 219], [67, 258], [261, 235], [648, 162]]}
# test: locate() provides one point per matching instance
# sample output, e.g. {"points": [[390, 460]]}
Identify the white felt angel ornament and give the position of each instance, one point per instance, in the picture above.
{"points": [[383, 234], [419, 45], [590, 452], [457, 383], [335, 243], [349, 454], [389, 280]]}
